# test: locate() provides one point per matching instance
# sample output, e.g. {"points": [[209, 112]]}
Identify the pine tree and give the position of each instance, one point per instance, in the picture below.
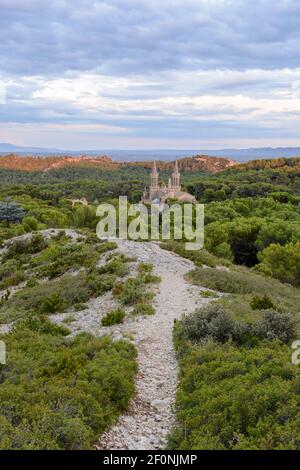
{"points": [[10, 211]]}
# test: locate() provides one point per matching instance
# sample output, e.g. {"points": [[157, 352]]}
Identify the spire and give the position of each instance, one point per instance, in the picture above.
{"points": [[154, 177], [176, 171], [154, 170], [176, 177]]}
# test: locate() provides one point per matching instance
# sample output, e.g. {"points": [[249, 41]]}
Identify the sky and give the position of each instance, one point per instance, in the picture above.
{"points": [[84, 74]]}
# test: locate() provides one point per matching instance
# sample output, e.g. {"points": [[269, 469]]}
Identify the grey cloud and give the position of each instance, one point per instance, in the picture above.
{"points": [[42, 37]]}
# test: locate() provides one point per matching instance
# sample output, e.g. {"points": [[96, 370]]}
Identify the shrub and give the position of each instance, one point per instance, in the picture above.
{"points": [[69, 319], [234, 282], [199, 257], [262, 303], [113, 317], [100, 283], [30, 224], [281, 262], [11, 274], [53, 296], [275, 326], [32, 245], [32, 282], [79, 307], [57, 259], [117, 289], [117, 266], [52, 304], [40, 324], [145, 268], [151, 279], [214, 323], [206, 294], [237, 398], [132, 291], [143, 309], [62, 393]]}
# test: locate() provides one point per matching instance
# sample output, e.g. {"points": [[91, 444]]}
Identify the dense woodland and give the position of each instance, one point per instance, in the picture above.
{"points": [[238, 388]]}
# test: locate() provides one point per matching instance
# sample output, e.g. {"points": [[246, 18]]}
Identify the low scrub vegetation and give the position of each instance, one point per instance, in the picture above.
{"points": [[237, 398], [113, 317], [262, 303], [216, 324], [143, 309], [57, 295], [236, 281], [135, 290], [199, 257], [238, 388], [60, 393], [70, 270]]}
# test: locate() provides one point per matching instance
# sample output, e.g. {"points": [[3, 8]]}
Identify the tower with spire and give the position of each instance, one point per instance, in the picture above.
{"points": [[154, 187], [175, 181], [160, 193]]}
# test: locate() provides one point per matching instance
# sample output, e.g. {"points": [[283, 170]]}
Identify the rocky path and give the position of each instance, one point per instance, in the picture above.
{"points": [[151, 415]]}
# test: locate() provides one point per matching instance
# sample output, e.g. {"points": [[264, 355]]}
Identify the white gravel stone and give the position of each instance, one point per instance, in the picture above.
{"points": [[151, 414]]}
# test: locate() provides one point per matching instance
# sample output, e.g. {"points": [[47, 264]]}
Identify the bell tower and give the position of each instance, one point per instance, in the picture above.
{"points": [[154, 180], [176, 178]]}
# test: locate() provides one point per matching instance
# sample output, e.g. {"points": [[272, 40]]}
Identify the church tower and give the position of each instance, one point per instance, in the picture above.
{"points": [[176, 178], [154, 181]]}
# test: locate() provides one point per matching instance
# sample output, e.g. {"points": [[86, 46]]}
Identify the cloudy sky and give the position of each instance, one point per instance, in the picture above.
{"points": [[150, 73]]}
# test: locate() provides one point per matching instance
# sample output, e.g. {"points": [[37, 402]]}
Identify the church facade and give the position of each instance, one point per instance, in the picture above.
{"points": [[159, 193]]}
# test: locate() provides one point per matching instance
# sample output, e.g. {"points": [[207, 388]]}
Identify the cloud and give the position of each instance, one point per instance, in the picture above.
{"points": [[147, 36], [147, 69]]}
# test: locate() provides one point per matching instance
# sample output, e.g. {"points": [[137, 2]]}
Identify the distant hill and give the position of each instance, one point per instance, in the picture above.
{"points": [[290, 165], [191, 164], [241, 155], [5, 148]]}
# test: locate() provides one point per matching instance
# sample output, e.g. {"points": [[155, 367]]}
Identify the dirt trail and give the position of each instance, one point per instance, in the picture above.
{"points": [[150, 416]]}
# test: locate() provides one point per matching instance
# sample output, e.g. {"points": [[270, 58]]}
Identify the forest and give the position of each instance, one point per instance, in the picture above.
{"points": [[238, 388]]}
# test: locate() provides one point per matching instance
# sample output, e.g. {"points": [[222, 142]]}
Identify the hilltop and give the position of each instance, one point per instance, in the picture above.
{"points": [[282, 164], [141, 155], [191, 164]]}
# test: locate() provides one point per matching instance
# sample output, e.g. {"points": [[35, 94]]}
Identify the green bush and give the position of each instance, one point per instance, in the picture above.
{"points": [[32, 282], [199, 257], [143, 309], [274, 325], [62, 293], [59, 258], [145, 268], [40, 324], [281, 262], [32, 245], [113, 317], [212, 323], [11, 274], [234, 282], [237, 398], [100, 283], [262, 303], [30, 224], [58, 392], [132, 291], [117, 266], [151, 278], [51, 304], [206, 294]]}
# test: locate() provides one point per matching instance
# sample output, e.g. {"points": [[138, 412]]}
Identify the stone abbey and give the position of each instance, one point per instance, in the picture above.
{"points": [[159, 193]]}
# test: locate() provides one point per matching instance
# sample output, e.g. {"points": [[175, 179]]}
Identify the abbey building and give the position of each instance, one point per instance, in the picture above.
{"points": [[159, 193]]}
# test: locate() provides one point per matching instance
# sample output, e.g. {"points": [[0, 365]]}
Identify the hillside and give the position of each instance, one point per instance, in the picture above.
{"points": [[282, 164], [192, 164]]}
